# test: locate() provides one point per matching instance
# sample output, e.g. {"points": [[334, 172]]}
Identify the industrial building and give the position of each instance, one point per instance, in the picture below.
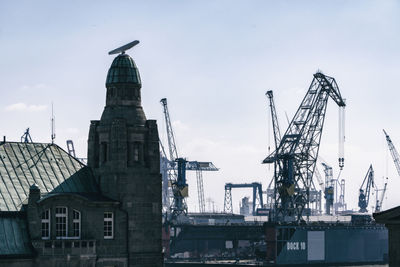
{"points": [[56, 211]]}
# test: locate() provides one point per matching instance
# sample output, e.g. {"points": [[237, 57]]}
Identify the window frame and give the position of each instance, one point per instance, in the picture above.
{"points": [[61, 215], [46, 221], [78, 221], [106, 220]]}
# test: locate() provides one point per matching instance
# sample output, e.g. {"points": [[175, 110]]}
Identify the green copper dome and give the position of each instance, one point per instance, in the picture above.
{"points": [[123, 70]]}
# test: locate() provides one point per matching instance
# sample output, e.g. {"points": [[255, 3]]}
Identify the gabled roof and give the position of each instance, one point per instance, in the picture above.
{"points": [[47, 165], [14, 237]]}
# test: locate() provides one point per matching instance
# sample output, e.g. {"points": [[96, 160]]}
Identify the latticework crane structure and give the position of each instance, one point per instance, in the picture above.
{"points": [[393, 151], [365, 190], [295, 158], [257, 196], [175, 167], [379, 199]]}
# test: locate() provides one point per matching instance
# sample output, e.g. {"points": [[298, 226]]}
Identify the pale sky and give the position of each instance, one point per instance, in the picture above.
{"points": [[213, 61]]}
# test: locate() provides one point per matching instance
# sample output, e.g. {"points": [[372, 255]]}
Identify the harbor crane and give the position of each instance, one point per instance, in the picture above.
{"points": [[176, 168], [365, 190], [71, 151], [393, 151], [257, 195], [329, 188], [295, 158], [379, 200], [277, 140], [315, 195]]}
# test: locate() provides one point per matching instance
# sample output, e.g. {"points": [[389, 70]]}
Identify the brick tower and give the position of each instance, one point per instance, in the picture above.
{"points": [[124, 153]]}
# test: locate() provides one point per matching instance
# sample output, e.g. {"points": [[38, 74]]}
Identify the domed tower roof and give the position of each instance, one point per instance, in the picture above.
{"points": [[123, 70]]}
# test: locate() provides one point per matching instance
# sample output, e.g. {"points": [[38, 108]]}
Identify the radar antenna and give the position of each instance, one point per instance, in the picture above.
{"points": [[123, 48]]}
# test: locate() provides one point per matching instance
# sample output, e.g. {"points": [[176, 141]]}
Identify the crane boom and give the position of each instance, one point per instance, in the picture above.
{"points": [[379, 201], [393, 151], [297, 153], [363, 198], [275, 124], [173, 153], [177, 168]]}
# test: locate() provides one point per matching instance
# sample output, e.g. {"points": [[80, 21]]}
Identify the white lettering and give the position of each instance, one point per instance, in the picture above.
{"points": [[296, 246]]}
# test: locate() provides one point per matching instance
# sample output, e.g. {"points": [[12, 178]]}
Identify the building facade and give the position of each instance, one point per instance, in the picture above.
{"points": [[56, 211]]}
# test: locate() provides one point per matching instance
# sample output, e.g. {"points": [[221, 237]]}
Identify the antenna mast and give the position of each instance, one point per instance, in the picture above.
{"points": [[53, 127]]}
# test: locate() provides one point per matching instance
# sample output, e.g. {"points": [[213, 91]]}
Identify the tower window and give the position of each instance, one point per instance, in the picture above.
{"points": [[61, 222], [46, 224], [108, 225], [136, 152], [76, 224], [103, 152]]}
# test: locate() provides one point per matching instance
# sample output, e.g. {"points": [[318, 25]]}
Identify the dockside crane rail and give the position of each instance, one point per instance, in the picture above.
{"points": [[393, 151], [257, 196], [296, 156], [365, 190]]}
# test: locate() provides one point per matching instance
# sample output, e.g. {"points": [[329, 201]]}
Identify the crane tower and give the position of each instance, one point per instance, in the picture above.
{"points": [[175, 167], [295, 158]]}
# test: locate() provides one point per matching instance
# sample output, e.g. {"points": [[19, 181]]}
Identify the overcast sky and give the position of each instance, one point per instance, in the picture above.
{"points": [[213, 61]]}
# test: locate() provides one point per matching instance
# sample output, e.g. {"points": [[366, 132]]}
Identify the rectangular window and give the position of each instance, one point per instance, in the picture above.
{"points": [[61, 222], [103, 152], [46, 224], [108, 225], [136, 152], [76, 224]]}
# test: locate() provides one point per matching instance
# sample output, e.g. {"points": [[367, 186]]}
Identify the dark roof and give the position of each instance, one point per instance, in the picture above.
{"points": [[388, 216], [14, 237], [47, 165], [123, 70]]}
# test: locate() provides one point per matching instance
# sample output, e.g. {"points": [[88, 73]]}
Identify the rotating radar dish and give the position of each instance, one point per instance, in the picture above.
{"points": [[123, 48]]}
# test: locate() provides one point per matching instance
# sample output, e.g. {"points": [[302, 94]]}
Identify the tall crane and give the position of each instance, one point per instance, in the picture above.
{"points": [[393, 151], [177, 167], [379, 201], [71, 151], [329, 187], [295, 158], [365, 190], [277, 139], [274, 117], [315, 195]]}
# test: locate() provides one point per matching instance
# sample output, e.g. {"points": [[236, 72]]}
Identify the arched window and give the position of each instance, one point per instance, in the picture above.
{"points": [[61, 222], [76, 224], [46, 224]]}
